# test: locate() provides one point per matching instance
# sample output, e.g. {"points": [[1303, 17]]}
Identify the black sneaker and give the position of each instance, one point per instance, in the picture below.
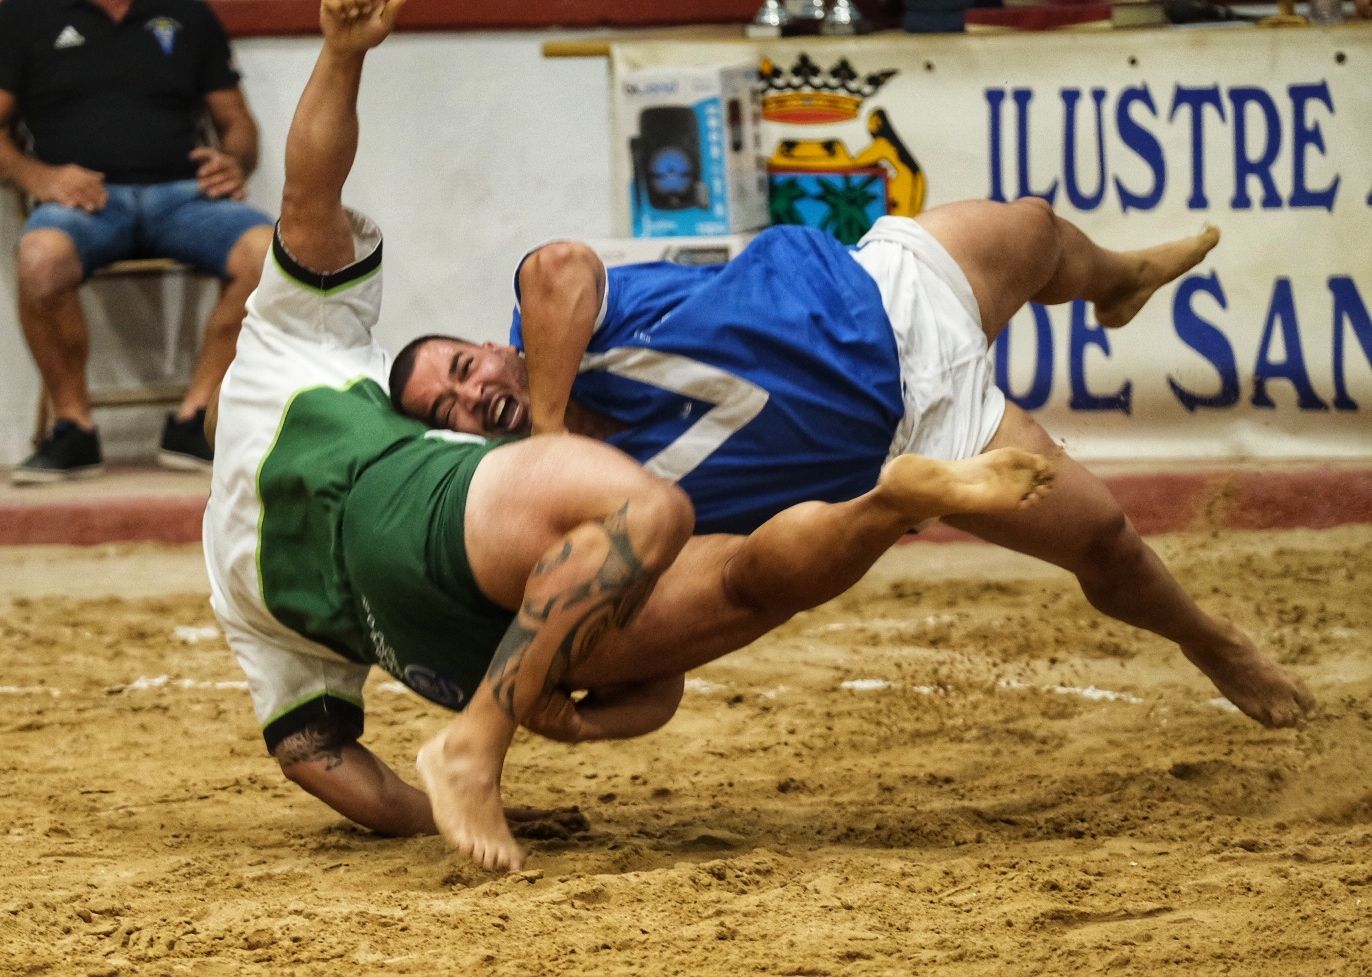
{"points": [[183, 444], [69, 451]]}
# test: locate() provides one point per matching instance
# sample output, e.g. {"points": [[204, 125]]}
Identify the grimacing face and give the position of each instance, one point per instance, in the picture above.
{"points": [[473, 389]]}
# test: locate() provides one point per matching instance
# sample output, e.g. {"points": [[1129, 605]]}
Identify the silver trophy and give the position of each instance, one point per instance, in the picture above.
{"points": [[807, 10], [844, 18], [772, 18]]}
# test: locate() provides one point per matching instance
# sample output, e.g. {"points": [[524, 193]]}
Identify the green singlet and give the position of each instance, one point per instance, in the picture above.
{"points": [[361, 541]]}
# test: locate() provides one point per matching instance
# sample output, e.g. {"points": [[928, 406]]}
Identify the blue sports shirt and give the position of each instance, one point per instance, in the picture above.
{"points": [[755, 385]]}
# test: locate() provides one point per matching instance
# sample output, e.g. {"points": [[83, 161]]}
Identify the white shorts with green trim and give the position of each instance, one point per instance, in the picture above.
{"points": [[302, 330]]}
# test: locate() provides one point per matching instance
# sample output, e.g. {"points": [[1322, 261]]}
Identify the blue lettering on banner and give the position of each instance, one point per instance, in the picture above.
{"points": [[1086, 334], [1303, 136], [1023, 96], [1207, 340], [1196, 99], [1349, 307], [1042, 386], [994, 98], [1258, 121], [1245, 166], [1080, 200], [1145, 145], [1280, 354], [1282, 314]]}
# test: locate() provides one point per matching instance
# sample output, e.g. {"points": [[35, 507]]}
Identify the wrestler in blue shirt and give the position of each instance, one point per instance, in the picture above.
{"points": [[784, 354]]}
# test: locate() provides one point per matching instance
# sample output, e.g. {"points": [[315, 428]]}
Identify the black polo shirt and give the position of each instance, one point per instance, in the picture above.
{"points": [[124, 99]]}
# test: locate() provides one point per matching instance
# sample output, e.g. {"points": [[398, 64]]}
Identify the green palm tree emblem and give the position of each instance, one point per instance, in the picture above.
{"points": [[785, 195], [847, 201]]}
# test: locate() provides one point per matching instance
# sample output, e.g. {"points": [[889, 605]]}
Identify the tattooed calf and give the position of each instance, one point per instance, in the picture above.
{"points": [[318, 741]]}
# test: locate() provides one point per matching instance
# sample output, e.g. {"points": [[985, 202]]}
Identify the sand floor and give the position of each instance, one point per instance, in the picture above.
{"points": [[957, 769]]}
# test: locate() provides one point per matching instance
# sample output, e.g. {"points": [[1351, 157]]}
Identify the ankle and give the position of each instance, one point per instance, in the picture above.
{"points": [[83, 421]]}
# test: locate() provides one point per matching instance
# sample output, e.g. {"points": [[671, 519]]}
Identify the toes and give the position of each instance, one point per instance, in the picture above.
{"points": [[1285, 718], [1292, 712]]}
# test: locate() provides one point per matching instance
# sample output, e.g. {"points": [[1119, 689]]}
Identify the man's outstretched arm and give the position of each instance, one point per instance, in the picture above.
{"points": [[322, 142]]}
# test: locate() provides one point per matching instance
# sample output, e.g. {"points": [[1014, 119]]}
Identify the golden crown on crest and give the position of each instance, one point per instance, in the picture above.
{"points": [[807, 94]]}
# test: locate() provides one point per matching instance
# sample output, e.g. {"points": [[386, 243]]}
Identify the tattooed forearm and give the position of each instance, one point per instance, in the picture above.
{"points": [[584, 607], [319, 742]]}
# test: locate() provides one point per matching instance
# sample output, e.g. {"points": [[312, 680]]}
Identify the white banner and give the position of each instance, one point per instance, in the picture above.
{"points": [[1265, 350]]}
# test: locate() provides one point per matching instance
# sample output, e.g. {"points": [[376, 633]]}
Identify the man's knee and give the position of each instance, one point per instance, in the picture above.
{"points": [[1113, 549], [48, 264], [664, 518], [1040, 208], [1036, 229], [244, 265]]}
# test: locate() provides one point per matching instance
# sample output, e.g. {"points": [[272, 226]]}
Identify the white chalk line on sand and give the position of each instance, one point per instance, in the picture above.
{"points": [[698, 686], [885, 624], [1089, 692], [154, 683], [144, 682], [705, 687], [193, 636]]}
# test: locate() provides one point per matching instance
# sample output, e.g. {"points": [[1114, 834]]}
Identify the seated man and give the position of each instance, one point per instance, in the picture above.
{"points": [[796, 370], [112, 93], [492, 577]]}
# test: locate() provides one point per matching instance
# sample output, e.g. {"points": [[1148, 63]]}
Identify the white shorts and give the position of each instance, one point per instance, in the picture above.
{"points": [[952, 404], [297, 334]]}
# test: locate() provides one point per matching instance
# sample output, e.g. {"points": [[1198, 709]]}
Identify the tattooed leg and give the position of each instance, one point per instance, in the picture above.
{"points": [[325, 759], [592, 580]]}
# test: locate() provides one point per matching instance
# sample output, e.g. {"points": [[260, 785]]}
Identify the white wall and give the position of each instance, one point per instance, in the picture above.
{"points": [[474, 148]]}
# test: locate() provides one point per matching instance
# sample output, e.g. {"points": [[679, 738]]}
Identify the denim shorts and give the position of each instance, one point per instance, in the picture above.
{"points": [[154, 220]]}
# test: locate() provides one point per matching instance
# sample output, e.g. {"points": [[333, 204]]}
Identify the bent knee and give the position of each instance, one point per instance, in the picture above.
{"points": [[48, 264], [1036, 228], [1034, 205], [1113, 548], [664, 519], [244, 265]]}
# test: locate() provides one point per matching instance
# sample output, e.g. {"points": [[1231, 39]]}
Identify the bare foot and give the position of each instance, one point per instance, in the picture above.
{"points": [[465, 796], [1253, 682], [997, 481], [1154, 268]]}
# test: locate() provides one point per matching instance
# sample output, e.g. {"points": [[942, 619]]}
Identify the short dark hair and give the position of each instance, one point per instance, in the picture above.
{"points": [[403, 367]]}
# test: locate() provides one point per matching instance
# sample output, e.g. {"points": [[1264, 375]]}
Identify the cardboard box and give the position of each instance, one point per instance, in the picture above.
{"points": [[692, 139], [714, 250]]}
